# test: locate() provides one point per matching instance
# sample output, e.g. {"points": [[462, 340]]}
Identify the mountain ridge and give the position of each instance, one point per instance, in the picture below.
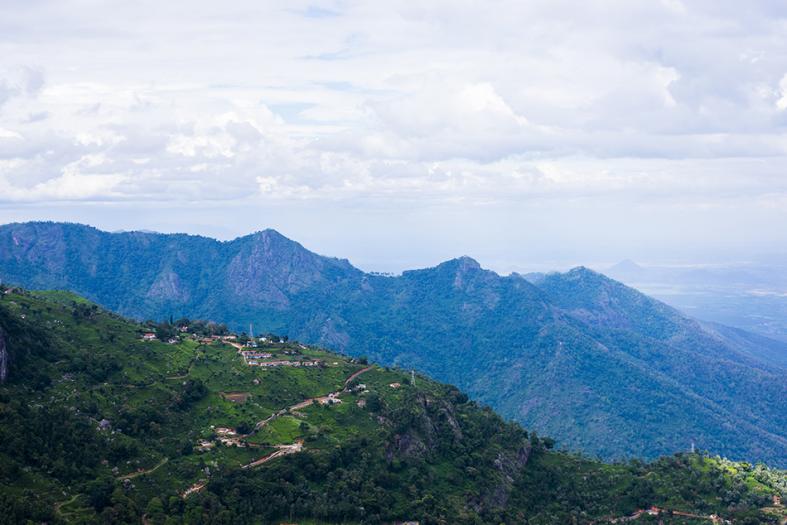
{"points": [[577, 355]]}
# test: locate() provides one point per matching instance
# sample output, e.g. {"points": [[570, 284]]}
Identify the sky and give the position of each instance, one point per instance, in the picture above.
{"points": [[528, 135]]}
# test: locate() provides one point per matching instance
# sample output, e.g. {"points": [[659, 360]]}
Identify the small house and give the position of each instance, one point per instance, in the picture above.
{"points": [[148, 336]]}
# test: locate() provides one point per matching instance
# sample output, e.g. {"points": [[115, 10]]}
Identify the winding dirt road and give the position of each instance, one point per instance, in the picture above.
{"points": [[142, 472], [283, 450], [307, 402]]}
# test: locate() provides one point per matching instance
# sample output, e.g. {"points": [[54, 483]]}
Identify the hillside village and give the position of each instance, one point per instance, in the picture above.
{"points": [[268, 351]]}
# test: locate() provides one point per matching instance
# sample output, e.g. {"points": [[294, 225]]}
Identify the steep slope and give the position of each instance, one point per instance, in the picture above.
{"points": [[757, 346], [624, 374], [98, 425], [673, 367], [124, 426]]}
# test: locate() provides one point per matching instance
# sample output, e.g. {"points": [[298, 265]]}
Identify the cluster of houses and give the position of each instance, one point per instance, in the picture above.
{"points": [[215, 339], [282, 362], [205, 340], [150, 336], [226, 436], [254, 358], [251, 356], [259, 358]]}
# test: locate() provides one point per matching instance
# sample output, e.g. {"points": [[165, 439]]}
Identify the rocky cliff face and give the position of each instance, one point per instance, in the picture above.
{"points": [[4, 357], [268, 268], [435, 427]]}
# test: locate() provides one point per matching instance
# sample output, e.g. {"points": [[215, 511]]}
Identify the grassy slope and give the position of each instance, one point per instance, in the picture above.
{"points": [[400, 456]]}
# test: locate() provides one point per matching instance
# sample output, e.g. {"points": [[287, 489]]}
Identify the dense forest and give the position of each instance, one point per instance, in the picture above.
{"points": [[98, 425]]}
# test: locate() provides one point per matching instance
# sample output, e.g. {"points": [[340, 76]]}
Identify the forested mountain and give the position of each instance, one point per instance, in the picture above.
{"points": [[103, 420], [599, 366]]}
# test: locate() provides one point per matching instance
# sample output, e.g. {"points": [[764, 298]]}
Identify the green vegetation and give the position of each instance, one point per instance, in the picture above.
{"points": [[636, 378], [99, 426]]}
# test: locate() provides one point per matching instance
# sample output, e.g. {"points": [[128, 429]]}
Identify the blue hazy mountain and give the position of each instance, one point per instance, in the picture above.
{"points": [[600, 366], [749, 295]]}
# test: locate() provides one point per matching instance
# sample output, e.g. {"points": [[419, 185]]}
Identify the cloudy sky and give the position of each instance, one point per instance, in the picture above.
{"points": [[526, 134]]}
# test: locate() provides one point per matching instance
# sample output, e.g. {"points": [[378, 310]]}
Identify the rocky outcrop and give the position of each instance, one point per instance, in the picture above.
{"points": [[433, 428], [405, 446], [431, 419], [268, 268], [168, 286], [5, 358], [510, 464]]}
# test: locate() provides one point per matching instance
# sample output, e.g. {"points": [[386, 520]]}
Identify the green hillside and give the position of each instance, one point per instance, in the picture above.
{"points": [[602, 368], [99, 426]]}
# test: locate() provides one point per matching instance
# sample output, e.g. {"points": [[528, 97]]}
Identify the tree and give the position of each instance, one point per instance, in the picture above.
{"points": [[99, 492], [244, 428], [155, 511]]}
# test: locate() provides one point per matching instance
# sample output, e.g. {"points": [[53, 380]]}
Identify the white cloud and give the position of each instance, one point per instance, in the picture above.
{"points": [[781, 103], [390, 103]]}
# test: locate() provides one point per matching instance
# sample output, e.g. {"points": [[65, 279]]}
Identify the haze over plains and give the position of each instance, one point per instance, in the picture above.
{"points": [[529, 135]]}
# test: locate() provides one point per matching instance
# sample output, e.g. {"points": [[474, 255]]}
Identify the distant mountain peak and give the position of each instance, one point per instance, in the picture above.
{"points": [[271, 235], [275, 248], [628, 263], [583, 272], [463, 263], [272, 241], [468, 262], [626, 267], [270, 232]]}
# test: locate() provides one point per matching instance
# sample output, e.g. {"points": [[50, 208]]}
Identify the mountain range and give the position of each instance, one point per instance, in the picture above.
{"points": [[578, 356], [748, 295]]}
